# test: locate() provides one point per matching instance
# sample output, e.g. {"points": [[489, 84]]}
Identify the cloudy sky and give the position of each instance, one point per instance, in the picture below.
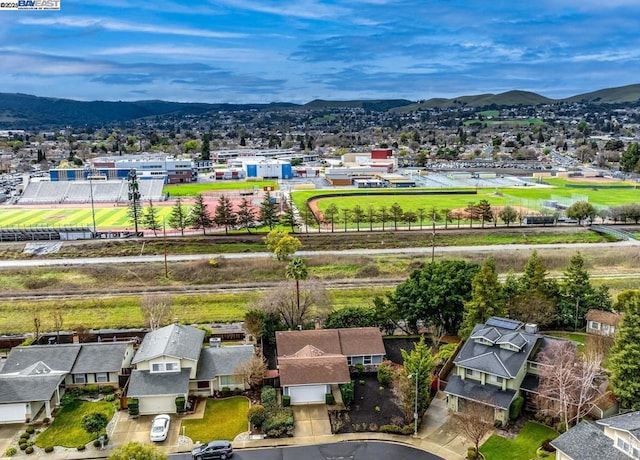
{"points": [[296, 51]]}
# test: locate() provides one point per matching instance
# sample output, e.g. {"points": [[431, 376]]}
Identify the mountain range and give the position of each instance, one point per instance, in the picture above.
{"points": [[23, 111]]}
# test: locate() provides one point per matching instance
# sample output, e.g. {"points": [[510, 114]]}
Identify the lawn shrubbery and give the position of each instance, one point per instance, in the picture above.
{"points": [[273, 420], [385, 373], [523, 447], [347, 391]]}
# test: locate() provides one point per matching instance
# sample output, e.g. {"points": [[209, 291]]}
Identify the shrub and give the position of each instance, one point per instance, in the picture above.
{"points": [[516, 408], [67, 398], [226, 391], [268, 397], [446, 351], [46, 421], [81, 447], [373, 427], [471, 453], [359, 368], [347, 392], [237, 391], [546, 445], [385, 373], [29, 450], [180, 404], [23, 445], [368, 271], [329, 399], [93, 388], [134, 406], [108, 389], [391, 428], [48, 449], [257, 415], [10, 452], [278, 425], [109, 397], [286, 400], [377, 408], [362, 382], [25, 436], [30, 430]]}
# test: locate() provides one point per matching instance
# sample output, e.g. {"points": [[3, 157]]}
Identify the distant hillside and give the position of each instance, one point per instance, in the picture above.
{"points": [[630, 93], [510, 98], [375, 105]]}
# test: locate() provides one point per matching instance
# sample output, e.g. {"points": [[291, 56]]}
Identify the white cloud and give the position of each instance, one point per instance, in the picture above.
{"points": [[307, 9]]}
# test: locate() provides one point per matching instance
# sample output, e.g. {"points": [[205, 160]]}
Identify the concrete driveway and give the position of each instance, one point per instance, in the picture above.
{"points": [[127, 429], [8, 433], [311, 420]]}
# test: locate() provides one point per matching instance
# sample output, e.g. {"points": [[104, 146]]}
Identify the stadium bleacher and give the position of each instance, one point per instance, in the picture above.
{"points": [[46, 192]]}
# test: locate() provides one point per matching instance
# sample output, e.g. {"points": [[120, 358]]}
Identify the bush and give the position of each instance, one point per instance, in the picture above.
{"points": [[30, 430], [226, 391], [110, 397], [237, 391], [46, 421], [25, 436], [391, 428], [471, 453], [10, 452], [286, 400], [23, 445], [268, 397], [516, 408], [347, 392], [48, 449], [134, 407], [446, 351], [29, 450], [546, 445], [93, 388], [257, 415], [108, 389], [329, 399], [385, 373], [278, 425], [359, 368], [81, 447], [67, 398], [180, 404], [362, 382]]}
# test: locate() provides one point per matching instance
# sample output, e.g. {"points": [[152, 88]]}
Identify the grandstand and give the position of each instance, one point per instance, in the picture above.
{"points": [[45, 233], [45, 192]]}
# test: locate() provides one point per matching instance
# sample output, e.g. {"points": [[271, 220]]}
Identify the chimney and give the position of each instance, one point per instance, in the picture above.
{"points": [[531, 328]]}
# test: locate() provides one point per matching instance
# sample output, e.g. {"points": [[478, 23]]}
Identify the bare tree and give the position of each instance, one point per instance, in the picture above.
{"points": [[156, 309], [314, 301], [475, 422], [252, 371], [58, 320]]}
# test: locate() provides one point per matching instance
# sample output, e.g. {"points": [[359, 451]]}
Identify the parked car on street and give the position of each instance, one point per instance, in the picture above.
{"points": [[160, 428], [213, 450]]}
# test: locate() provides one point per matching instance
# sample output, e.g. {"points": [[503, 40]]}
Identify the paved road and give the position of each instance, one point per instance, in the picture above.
{"points": [[413, 251], [337, 451]]}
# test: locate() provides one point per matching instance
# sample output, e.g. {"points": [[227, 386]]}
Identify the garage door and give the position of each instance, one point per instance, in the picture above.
{"points": [[157, 405], [307, 394], [12, 413]]}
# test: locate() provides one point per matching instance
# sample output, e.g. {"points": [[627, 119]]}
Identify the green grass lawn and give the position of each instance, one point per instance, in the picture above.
{"points": [[66, 429], [223, 419], [195, 188], [523, 447]]}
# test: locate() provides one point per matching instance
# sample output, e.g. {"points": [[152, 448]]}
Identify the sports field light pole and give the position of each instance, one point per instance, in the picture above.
{"points": [[415, 408], [93, 209]]}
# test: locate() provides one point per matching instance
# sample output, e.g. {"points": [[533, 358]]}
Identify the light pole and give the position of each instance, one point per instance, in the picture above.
{"points": [[93, 210], [415, 408]]}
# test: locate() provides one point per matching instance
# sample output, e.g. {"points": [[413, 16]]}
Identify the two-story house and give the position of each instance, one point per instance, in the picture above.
{"points": [[614, 438], [491, 366]]}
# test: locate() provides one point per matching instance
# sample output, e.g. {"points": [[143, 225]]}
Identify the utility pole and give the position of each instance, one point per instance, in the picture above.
{"points": [[164, 239]]}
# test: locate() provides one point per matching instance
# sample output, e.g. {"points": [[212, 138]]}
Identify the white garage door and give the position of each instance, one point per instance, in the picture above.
{"points": [[307, 394], [12, 413], [157, 405]]}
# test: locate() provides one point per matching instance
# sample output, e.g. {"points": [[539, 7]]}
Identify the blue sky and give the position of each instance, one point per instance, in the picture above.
{"points": [[296, 51]]}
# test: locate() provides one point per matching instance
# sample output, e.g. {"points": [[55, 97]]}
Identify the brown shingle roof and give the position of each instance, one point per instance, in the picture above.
{"points": [[348, 341], [361, 341], [317, 370], [603, 317]]}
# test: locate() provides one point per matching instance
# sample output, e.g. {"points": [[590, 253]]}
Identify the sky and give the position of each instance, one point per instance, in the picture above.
{"points": [[261, 51]]}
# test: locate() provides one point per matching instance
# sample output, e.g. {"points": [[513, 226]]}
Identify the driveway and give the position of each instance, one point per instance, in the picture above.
{"points": [[127, 429], [8, 433], [311, 420]]}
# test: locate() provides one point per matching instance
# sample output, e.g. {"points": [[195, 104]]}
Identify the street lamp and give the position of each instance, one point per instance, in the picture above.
{"points": [[93, 210], [415, 408]]}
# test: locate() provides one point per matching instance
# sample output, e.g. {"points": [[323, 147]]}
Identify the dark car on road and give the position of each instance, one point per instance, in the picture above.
{"points": [[213, 450]]}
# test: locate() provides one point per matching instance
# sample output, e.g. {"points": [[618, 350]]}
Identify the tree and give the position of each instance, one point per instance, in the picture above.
{"points": [[624, 359], [288, 217], [252, 371], [351, 317], [358, 215], [581, 210], [178, 217], [421, 214], [486, 298], [134, 211], [150, 219], [410, 217], [281, 244], [484, 211], [297, 270], [156, 309], [371, 216], [630, 158], [205, 152], [383, 215], [308, 218], [396, 214], [435, 294], [331, 212], [346, 214], [223, 215], [472, 212], [199, 216], [417, 365], [94, 423], [268, 211], [58, 320], [137, 451], [624, 298], [508, 215], [283, 302], [475, 422], [254, 324], [246, 215]]}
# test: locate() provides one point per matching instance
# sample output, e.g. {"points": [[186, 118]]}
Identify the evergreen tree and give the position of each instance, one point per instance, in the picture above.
{"points": [[629, 159], [199, 215], [484, 211], [135, 210], [358, 215], [331, 212], [205, 148], [396, 214], [486, 298], [268, 211], [224, 215], [246, 215], [178, 217], [150, 219], [624, 359], [288, 217]]}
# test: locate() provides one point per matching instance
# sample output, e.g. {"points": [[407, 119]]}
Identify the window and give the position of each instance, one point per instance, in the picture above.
{"points": [[228, 380], [494, 379], [594, 325], [203, 385], [102, 377], [165, 367], [472, 373], [367, 360], [79, 378]]}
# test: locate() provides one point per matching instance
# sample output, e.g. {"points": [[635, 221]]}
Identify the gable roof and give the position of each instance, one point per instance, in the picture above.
{"points": [[325, 369], [484, 394], [175, 340], [100, 357], [626, 422], [347, 341], [60, 357], [603, 317], [587, 441], [145, 383], [222, 360], [19, 388], [488, 362]]}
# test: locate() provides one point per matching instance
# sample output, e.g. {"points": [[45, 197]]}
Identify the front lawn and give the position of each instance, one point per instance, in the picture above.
{"points": [[223, 419], [523, 447], [66, 429]]}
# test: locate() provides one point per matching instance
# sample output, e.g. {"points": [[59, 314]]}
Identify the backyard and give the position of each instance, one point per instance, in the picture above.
{"points": [[522, 447], [223, 419], [66, 429]]}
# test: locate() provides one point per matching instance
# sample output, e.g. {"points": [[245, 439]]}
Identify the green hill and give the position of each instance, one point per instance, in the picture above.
{"points": [[621, 94]]}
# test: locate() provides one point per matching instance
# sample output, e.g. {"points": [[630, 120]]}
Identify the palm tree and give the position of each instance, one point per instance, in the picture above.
{"points": [[297, 270]]}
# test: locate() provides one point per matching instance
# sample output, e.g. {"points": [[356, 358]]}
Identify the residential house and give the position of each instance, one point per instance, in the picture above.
{"points": [[602, 323], [34, 378], [491, 366], [614, 438], [311, 362], [218, 368]]}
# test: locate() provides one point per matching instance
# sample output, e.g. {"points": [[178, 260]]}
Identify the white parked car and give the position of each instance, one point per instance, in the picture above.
{"points": [[160, 428]]}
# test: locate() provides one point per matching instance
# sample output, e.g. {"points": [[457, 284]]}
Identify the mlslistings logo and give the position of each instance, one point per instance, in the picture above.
{"points": [[30, 5]]}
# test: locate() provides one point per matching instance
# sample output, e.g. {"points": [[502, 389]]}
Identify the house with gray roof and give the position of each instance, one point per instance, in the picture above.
{"points": [[491, 366], [613, 438], [219, 367]]}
